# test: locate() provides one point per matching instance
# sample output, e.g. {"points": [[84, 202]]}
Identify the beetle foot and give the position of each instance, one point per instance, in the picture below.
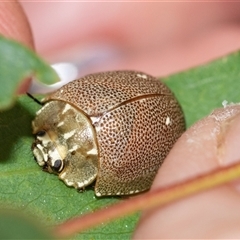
{"points": [[81, 190]]}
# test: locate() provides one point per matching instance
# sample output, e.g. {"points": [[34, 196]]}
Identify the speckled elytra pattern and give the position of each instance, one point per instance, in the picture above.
{"points": [[97, 93], [134, 140], [137, 120]]}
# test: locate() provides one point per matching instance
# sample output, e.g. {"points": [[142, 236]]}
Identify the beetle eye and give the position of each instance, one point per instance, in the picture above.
{"points": [[41, 133], [57, 165]]}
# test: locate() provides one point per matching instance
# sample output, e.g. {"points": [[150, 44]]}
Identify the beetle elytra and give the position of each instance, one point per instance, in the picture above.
{"points": [[111, 128]]}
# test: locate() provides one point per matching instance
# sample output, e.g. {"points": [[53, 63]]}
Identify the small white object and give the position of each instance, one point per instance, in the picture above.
{"points": [[60, 124], [168, 121], [66, 108], [224, 103], [69, 134], [142, 76], [66, 71], [92, 152]]}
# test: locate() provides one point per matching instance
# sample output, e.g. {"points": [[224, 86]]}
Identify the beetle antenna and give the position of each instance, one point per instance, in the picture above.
{"points": [[34, 99]]}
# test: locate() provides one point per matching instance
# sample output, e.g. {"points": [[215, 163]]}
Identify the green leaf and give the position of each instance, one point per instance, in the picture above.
{"points": [[16, 64], [25, 187], [202, 89], [14, 225]]}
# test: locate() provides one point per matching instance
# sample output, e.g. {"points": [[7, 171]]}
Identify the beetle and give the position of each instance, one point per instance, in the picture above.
{"points": [[112, 128]]}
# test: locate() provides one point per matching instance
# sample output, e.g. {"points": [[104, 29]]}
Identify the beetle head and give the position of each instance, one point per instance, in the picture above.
{"points": [[65, 143]]}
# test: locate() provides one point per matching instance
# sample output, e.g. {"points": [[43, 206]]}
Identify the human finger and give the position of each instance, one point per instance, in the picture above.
{"points": [[14, 25], [215, 213]]}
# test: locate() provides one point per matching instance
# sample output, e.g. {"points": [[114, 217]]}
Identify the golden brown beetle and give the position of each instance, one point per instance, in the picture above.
{"points": [[114, 128]]}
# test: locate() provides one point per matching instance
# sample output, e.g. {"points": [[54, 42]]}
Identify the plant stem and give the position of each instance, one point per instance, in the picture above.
{"points": [[154, 198]]}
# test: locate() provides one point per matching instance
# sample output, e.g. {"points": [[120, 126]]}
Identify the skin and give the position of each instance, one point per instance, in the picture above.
{"points": [[157, 38], [14, 24], [192, 36], [213, 214]]}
